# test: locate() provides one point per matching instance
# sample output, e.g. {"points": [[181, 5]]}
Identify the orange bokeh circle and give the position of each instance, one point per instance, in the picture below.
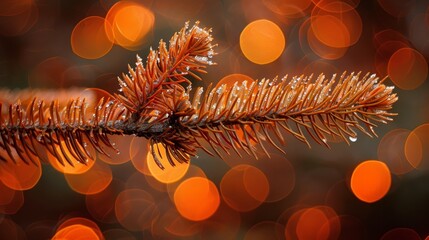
{"points": [[290, 8], [78, 228], [76, 232], [135, 209], [343, 20], [370, 181], [331, 31], [391, 150], [89, 38], [407, 68], [20, 176], [414, 149], [318, 222], [100, 205], [322, 50], [244, 187], [93, 181], [131, 22], [262, 41], [196, 198]]}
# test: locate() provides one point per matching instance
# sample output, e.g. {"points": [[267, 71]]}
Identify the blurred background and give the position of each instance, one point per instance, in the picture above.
{"points": [[373, 189]]}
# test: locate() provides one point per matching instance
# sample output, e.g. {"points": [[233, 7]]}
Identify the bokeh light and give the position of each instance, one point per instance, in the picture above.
{"points": [[291, 8], [318, 222], [262, 41], [407, 68], [384, 53], [77, 232], [388, 35], [48, 73], [40, 230], [11, 8], [193, 171], [10, 230], [18, 17], [310, 224], [20, 175], [7, 194], [174, 225], [265, 230], [330, 31], [370, 181], [223, 224], [401, 233], [244, 187], [13, 205], [130, 22], [415, 146], [413, 149], [101, 205], [391, 150], [280, 174], [344, 20], [196, 198], [170, 173], [135, 209], [317, 67], [317, 47], [92, 181], [21, 23], [292, 221], [335, 5], [78, 227], [89, 38]]}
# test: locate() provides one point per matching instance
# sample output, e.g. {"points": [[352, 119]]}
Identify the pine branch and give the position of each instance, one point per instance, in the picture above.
{"points": [[155, 104]]}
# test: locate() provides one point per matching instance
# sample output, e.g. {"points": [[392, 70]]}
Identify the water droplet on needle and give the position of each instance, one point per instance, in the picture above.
{"points": [[353, 139]]}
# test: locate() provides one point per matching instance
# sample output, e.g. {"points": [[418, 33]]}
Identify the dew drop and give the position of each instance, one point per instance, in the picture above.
{"points": [[353, 139]]}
